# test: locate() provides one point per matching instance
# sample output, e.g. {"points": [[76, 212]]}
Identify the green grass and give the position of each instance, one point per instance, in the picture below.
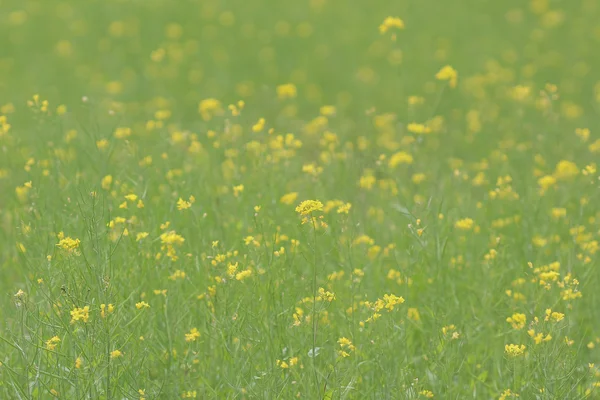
{"points": [[137, 181]]}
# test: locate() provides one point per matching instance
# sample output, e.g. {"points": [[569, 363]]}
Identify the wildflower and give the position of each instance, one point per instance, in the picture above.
{"points": [[344, 208], [240, 276], [418, 128], [183, 205], [309, 206], [78, 362], [106, 182], [506, 394], [80, 314], [237, 190], [142, 304], [392, 300], [286, 91], [102, 144], [106, 310], [69, 244], [259, 126], [465, 224], [517, 320], [289, 198], [122, 133], [141, 236], [514, 350], [426, 393], [449, 74], [400, 157], [325, 295], [557, 212], [327, 111], [346, 347], [116, 354], [391, 22], [565, 170], [413, 313], [170, 240], [52, 343], [546, 182], [553, 315], [192, 335], [208, 108], [539, 337]]}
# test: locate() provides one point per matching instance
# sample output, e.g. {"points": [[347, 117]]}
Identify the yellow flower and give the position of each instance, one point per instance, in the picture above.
{"points": [[309, 206], [80, 314], [422, 129], [565, 170], [413, 314], [514, 350], [259, 126], [142, 304], [547, 181], [517, 320], [116, 354], [400, 157], [192, 335], [464, 224], [558, 212], [506, 394], [52, 343], [237, 190], [325, 295], [449, 74], [520, 92], [240, 276], [327, 111], [391, 22], [286, 91], [106, 182], [553, 315], [183, 205], [70, 245], [208, 108], [122, 133], [141, 236], [344, 208], [104, 310], [102, 144], [289, 198]]}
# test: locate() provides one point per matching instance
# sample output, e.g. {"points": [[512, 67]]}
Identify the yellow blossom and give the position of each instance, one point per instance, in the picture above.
{"points": [[449, 74], [514, 350], [192, 335], [116, 354], [391, 22], [308, 207]]}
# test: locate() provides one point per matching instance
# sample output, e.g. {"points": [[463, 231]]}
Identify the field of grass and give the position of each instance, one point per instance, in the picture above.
{"points": [[315, 199]]}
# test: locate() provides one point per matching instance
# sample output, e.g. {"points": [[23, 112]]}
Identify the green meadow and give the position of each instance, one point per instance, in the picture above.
{"points": [[313, 199]]}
